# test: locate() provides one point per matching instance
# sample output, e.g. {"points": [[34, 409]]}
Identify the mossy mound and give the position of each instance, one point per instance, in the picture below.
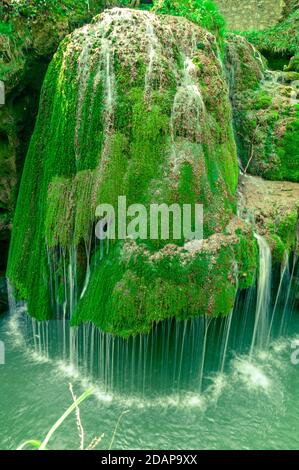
{"points": [[266, 114], [244, 64], [143, 287], [137, 105]]}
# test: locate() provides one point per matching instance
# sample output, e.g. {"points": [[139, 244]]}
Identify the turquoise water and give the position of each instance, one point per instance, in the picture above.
{"points": [[253, 404]]}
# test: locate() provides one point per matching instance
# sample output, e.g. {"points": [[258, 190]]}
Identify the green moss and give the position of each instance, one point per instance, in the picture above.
{"points": [[281, 38], [265, 116], [245, 65], [142, 288], [248, 259], [282, 235], [288, 151], [262, 100], [278, 248], [293, 65]]}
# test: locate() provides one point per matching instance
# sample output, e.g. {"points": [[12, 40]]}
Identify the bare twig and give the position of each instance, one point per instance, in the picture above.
{"points": [[95, 442], [116, 428], [78, 418], [252, 148]]}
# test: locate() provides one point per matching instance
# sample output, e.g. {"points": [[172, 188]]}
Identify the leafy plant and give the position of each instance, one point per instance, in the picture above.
{"points": [[283, 38], [42, 445], [202, 12]]}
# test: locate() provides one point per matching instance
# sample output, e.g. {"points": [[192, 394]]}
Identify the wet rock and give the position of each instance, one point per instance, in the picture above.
{"points": [[273, 208], [288, 77]]}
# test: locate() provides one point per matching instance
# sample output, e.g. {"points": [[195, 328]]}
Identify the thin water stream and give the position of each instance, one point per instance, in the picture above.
{"points": [[202, 383]]}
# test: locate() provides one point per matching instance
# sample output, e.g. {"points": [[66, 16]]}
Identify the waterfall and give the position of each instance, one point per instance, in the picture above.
{"points": [[188, 110], [284, 283], [261, 324], [82, 77], [226, 335], [175, 355], [274, 79], [153, 46], [106, 73], [207, 322]]}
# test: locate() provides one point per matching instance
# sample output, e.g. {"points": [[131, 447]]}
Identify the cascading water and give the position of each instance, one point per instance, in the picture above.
{"points": [[261, 325], [275, 79], [176, 355], [188, 102], [153, 46]]}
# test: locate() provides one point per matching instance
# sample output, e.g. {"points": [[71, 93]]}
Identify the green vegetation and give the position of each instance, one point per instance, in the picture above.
{"points": [[202, 12], [33, 8], [282, 234], [265, 113], [282, 38], [42, 445]]}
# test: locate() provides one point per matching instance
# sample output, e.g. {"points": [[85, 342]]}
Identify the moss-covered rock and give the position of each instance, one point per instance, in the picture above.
{"points": [[265, 114], [130, 105], [143, 287], [244, 64], [293, 64], [273, 208]]}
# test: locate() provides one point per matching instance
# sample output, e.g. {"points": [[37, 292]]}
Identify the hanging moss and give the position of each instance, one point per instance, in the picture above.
{"points": [[142, 287]]}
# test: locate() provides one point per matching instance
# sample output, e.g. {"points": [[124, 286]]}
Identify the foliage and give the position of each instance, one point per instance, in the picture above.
{"points": [[202, 12], [42, 445], [74, 407], [32, 8], [283, 38]]}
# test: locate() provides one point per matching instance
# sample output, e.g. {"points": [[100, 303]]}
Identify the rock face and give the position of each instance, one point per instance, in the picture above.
{"points": [[266, 113], [132, 104], [272, 207]]}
